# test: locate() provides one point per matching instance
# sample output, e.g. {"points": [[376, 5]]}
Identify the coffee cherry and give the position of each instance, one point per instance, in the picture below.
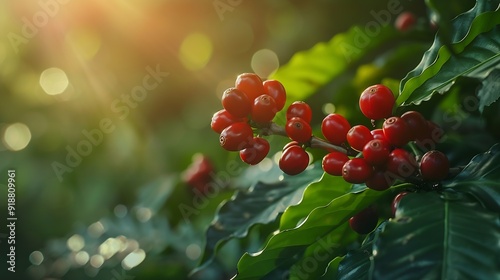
{"points": [[379, 180], [405, 21], [335, 127], [376, 102], [434, 166], [299, 109], [199, 173], [236, 137], [358, 136], [257, 151], [294, 160], [396, 131], [277, 91], [334, 162], [378, 133], [222, 119], [236, 102], [401, 164], [395, 202], [356, 171], [250, 84], [376, 152], [298, 130], [263, 109], [365, 221], [289, 144], [416, 123]]}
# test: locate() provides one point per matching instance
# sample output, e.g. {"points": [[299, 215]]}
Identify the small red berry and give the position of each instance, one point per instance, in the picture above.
{"points": [[222, 119], [376, 152], [396, 131], [277, 91], [289, 144], [405, 21], [358, 136], [294, 160], [299, 109], [417, 124], [396, 201], [256, 152], [199, 173], [365, 221], [236, 137], [401, 164], [356, 171], [376, 102], [379, 180], [263, 109], [434, 166], [236, 102], [298, 130], [250, 84], [378, 133], [335, 127], [334, 162]]}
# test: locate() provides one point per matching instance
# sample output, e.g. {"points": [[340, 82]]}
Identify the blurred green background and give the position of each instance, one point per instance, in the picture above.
{"points": [[75, 77]]}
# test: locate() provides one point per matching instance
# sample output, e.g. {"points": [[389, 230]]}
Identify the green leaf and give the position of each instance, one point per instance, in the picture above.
{"points": [[331, 270], [490, 89], [356, 264], [261, 204], [318, 223], [477, 44], [439, 236], [481, 178], [309, 70]]}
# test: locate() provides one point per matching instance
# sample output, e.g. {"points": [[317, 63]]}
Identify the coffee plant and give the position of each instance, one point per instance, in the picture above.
{"points": [[371, 172]]}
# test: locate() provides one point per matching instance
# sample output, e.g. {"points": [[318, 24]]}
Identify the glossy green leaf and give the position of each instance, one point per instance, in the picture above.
{"points": [[356, 264], [332, 269], [318, 223], [490, 89], [477, 44], [439, 236], [309, 70], [481, 178], [261, 204]]}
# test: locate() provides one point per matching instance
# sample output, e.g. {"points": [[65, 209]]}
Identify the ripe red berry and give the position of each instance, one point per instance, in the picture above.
{"points": [[256, 152], [236, 137], [379, 180], [199, 173], [376, 102], [335, 127], [299, 109], [356, 171], [395, 202], [250, 84], [294, 160], [401, 164], [298, 130], [416, 123], [376, 152], [378, 133], [236, 102], [405, 21], [263, 109], [277, 91], [334, 162], [222, 119], [396, 131], [289, 144], [365, 221], [434, 166], [358, 136]]}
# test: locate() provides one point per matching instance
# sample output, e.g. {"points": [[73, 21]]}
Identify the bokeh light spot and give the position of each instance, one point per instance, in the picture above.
{"points": [[75, 243], [328, 108], [193, 251], [133, 259], [195, 51], [81, 258], [16, 136], [54, 81], [36, 257], [264, 62], [97, 261]]}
